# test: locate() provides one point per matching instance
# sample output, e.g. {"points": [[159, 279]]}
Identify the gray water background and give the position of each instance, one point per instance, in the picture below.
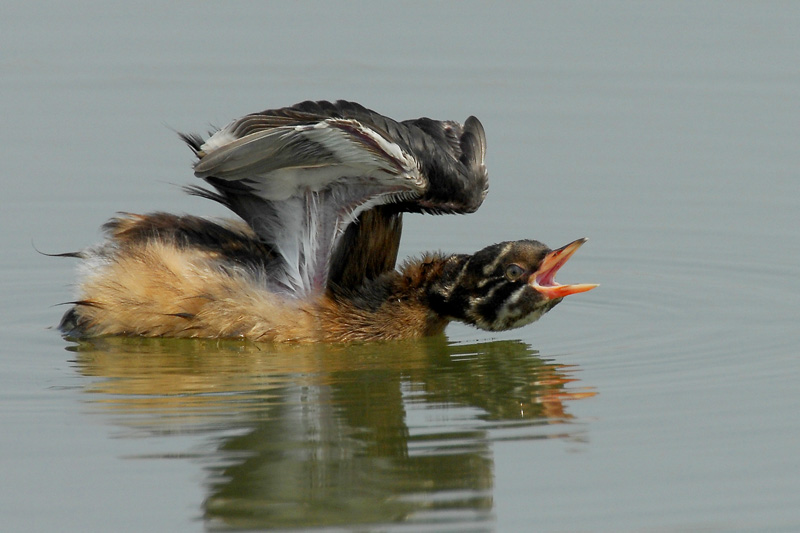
{"points": [[665, 400]]}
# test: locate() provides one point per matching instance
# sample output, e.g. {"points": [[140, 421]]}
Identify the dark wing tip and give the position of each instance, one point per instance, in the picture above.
{"points": [[473, 126], [473, 155]]}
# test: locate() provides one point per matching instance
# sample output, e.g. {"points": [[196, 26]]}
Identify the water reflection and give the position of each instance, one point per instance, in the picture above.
{"points": [[334, 435]]}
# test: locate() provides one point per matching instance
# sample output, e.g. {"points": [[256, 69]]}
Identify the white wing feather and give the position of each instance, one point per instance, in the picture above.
{"points": [[314, 180]]}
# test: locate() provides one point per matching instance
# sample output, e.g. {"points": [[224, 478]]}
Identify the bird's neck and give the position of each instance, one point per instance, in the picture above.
{"points": [[405, 303]]}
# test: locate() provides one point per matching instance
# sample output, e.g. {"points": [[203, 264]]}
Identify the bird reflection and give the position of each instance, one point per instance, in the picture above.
{"points": [[334, 435]]}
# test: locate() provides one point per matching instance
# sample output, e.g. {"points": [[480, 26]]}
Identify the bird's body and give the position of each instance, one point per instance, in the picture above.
{"points": [[169, 276], [321, 189]]}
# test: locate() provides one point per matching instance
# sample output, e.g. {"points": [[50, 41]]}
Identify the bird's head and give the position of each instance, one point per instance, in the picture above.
{"points": [[505, 285]]}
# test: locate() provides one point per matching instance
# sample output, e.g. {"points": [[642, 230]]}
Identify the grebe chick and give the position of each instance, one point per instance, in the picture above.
{"points": [[320, 188]]}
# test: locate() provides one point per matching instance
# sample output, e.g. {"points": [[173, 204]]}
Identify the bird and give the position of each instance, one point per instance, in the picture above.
{"points": [[320, 189]]}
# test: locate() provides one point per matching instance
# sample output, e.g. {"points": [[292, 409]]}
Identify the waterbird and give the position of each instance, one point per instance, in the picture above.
{"points": [[320, 189]]}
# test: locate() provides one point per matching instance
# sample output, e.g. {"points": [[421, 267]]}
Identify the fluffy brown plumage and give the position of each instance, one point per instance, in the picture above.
{"points": [[171, 276], [154, 277]]}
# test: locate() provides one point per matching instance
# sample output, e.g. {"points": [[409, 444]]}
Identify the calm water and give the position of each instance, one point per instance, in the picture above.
{"points": [[665, 400]]}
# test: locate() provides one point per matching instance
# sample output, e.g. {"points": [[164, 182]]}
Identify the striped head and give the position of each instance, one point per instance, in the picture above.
{"points": [[503, 286]]}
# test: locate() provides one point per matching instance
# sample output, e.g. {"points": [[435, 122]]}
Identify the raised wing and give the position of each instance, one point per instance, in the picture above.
{"points": [[301, 176]]}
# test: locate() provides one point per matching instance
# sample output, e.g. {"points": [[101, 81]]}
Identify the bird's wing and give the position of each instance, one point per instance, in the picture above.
{"points": [[300, 177]]}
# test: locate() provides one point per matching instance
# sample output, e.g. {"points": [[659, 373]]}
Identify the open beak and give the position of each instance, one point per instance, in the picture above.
{"points": [[543, 280]]}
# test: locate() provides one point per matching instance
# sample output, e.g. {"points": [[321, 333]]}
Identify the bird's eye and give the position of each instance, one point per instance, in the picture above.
{"points": [[514, 272]]}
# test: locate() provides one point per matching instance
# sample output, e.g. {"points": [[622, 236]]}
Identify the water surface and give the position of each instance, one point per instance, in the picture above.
{"points": [[665, 400]]}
